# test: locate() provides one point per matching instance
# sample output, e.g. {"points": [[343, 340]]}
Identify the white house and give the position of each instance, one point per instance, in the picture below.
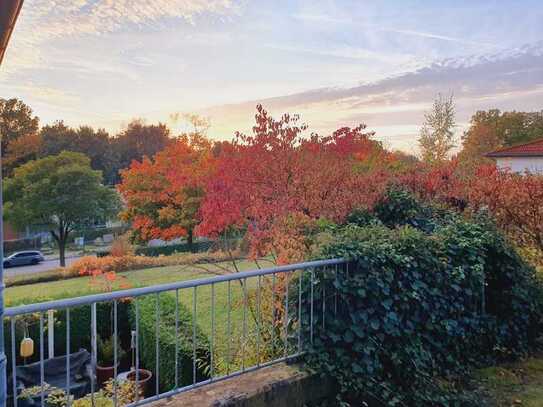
{"points": [[522, 158]]}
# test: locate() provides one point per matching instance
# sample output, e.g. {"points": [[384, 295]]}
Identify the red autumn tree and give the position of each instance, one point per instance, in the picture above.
{"points": [[163, 194], [515, 201], [442, 182], [276, 173]]}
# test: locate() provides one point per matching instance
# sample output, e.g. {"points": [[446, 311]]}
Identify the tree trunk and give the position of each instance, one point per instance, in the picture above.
{"points": [[62, 252], [61, 238], [190, 239]]}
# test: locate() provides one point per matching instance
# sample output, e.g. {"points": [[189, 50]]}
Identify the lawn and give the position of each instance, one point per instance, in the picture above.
{"points": [[515, 384], [80, 286], [226, 341]]}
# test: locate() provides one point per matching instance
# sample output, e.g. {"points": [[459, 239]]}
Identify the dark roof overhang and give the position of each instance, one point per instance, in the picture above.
{"points": [[9, 11]]}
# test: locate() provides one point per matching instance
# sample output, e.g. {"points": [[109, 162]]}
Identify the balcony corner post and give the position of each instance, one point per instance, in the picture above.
{"points": [[3, 360]]}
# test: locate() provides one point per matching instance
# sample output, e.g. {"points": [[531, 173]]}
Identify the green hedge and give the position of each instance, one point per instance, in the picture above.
{"points": [[92, 234], [171, 249], [411, 305], [174, 248], [147, 330]]}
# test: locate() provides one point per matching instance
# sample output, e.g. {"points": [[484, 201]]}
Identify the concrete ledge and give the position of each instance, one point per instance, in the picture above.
{"points": [[275, 386]]}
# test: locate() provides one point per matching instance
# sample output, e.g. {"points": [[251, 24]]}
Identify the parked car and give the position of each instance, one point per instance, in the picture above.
{"points": [[23, 258]]}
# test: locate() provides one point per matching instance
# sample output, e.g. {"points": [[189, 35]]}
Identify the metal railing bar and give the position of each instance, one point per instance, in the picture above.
{"points": [[244, 343], [286, 317], [259, 319], [212, 341], [323, 304], [176, 381], [115, 355], [228, 329], [336, 291], [194, 335], [94, 349], [42, 373], [300, 311], [157, 343], [311, 305], [68, 357], [272, 333], [137, 292], [137, 367], [13, 361]]}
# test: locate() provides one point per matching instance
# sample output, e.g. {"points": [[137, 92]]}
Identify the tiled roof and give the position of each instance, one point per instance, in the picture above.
{"points": [[533, 149]]}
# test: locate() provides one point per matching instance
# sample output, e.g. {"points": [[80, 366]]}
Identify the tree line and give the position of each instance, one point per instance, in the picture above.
{"points": [[489, 130], [271, 185], [24, 140]]}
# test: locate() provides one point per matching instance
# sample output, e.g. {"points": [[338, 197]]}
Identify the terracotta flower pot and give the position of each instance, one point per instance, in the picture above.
{"points": [[143, 378]]}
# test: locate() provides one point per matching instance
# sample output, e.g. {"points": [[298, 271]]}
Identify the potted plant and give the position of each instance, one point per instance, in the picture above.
{"points": [[105, 368], [143, 375]]}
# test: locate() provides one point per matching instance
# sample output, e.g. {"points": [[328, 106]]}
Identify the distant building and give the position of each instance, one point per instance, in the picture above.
{"points": [[522, 158]]}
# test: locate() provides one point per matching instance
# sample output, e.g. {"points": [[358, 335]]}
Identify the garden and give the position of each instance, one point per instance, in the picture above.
{"points": [[443, 278]]}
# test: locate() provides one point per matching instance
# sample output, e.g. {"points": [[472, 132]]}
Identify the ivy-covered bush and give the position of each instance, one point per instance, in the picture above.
{"points": [[147, 342], [423, 298]]}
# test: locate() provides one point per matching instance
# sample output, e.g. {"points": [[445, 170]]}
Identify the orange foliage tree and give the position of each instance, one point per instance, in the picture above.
{"points": [[163, 194]]}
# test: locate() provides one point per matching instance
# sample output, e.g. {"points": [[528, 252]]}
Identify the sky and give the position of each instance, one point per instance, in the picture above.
{"points": [[336, 63]]}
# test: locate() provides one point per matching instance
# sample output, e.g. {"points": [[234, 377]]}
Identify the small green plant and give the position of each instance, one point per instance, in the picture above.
{"points": [[31, 392], [126, 390], [57, 398], [106, 350], [98, 399]]}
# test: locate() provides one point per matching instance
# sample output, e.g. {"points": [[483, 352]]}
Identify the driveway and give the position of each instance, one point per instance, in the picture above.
{"points": [[48, 264]]}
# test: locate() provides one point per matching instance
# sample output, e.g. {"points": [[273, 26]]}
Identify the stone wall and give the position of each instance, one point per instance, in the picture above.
{"points": [[280, 385]]}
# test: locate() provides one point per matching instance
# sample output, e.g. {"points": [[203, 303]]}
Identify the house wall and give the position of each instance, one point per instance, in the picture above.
{"points": [[521, 164], [10, 233]]}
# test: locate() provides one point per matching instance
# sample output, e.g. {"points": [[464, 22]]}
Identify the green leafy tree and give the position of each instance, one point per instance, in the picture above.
{"points": [[437, 133], [56, 138], [139, 140], [493, 129], [95, 144], [60, 191], [16, 120]]}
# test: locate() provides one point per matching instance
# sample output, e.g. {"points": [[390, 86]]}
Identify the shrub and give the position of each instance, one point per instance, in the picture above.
{"points": [[167, 335], [87, 265], [417, 304], [121, 246]]}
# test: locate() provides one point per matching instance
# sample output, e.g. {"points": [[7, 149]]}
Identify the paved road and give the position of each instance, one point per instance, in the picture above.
{"points": [[46, 265]]}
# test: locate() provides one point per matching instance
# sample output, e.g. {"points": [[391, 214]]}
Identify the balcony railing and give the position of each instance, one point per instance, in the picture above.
{"points": [[252, 319]]}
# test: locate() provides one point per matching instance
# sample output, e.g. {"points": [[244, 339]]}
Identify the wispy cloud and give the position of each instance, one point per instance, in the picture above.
{"points": [[44, 94], [337, 62], [326, 19], [44, 20], [395, 106], [432, 36], [56, 19]]}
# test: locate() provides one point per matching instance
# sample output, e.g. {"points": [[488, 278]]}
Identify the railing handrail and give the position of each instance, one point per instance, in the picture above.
{"points": [[136, 292]]}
